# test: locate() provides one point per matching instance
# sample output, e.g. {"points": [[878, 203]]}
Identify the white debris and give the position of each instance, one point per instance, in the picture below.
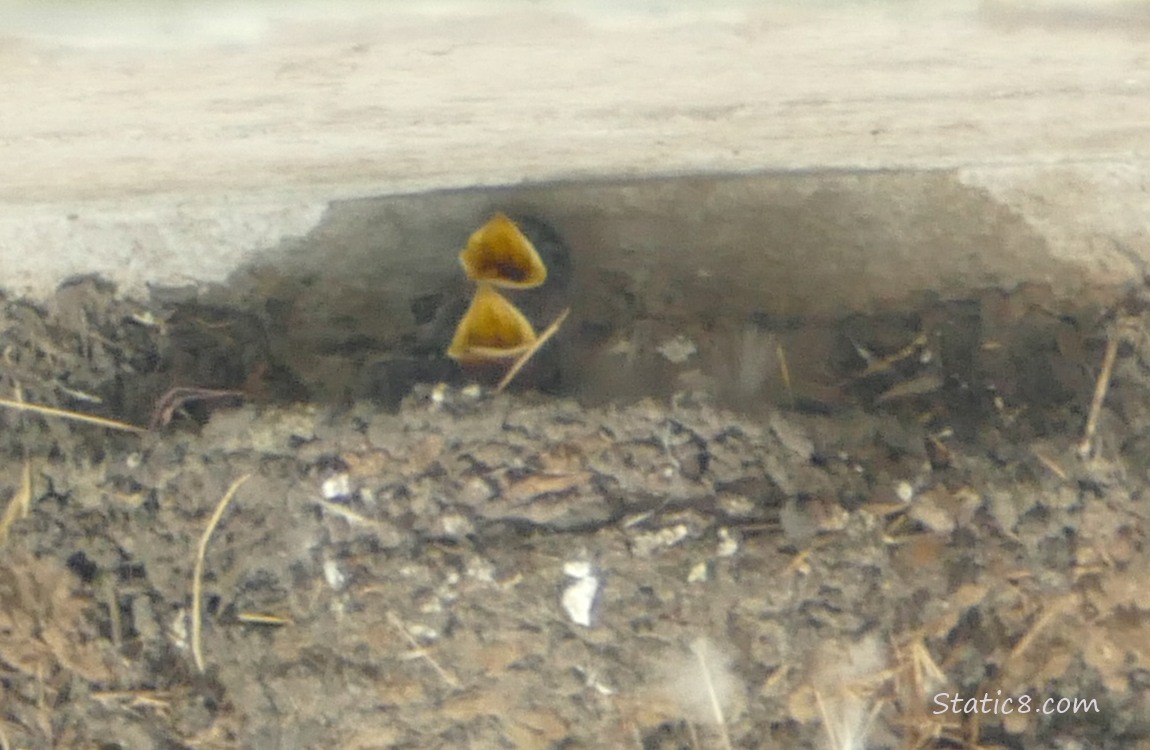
{"points": [[455, 526], [677, 350], [728, 545], [481, 570], [422, 633], [336, 487], [703, 685], [622, 346], [591, 680], [333, 575], [904, 491], [844, 680], [642, 545], [699, 573], [578, 569], [578, 598], [432, 606], [475, 491], [146, 319], [179, 630]]}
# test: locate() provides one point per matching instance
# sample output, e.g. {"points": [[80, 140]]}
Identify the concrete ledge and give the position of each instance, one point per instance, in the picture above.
{"points": [[898, 153], [398, 103]]}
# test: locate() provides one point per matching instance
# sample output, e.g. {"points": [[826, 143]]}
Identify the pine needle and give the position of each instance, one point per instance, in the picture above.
{"points": [[198, 573], [75, 416]]}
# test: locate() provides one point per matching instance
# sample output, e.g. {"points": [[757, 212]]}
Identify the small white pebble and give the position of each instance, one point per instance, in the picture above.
{"points": [[438, 393], [333, 575], [472, 391], [423, 633], [728, 545], [699, 573], [336, 487], [456, 526], [904, 491], [579, 599]]}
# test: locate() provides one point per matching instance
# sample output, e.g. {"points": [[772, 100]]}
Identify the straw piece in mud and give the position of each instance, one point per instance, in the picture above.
{"points": [[20, 503], [75, 416], [1101, 387], [198, 573], [526, 356]]}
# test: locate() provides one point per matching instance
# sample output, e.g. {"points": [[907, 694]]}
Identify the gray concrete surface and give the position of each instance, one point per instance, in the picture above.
{"points": [[900, 149]]}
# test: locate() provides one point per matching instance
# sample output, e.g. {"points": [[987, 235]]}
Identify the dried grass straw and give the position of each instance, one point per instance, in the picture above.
{"points": [[75, 416], [527, 355], [198, 574], [19, 505], [1101, 386]]}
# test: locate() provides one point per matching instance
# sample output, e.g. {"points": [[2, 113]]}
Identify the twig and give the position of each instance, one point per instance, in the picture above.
{"points": [[421, 652], [198, 573], [75, 416], [1050, 464], [348, 514], [527, 355], [1100, 388], [157, 699], [876, 365], [785, 372], [260, 618], [1052, 612], [178, 397], [20, 503]]}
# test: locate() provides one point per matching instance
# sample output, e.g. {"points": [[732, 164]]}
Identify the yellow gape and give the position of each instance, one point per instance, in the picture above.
{"points": [[491, 329], [499, 254]]}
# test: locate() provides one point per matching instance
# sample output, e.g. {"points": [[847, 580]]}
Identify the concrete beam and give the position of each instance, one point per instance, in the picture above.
{"points": [[898, 151]]}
